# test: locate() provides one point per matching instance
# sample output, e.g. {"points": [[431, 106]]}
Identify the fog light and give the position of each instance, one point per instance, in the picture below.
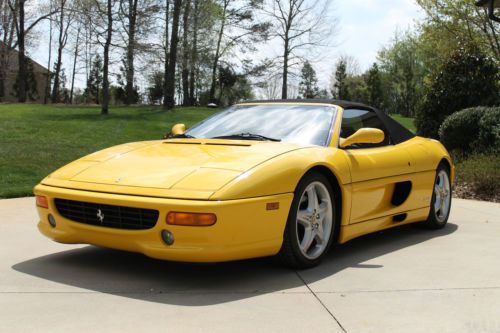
{"points": [[52, 221], [167, 237]]}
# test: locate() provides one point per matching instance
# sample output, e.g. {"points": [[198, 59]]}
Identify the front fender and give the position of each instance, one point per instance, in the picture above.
{"points": [[282, 173]]}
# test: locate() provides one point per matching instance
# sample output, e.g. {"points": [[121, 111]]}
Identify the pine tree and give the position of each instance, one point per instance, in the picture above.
{"points": [[374, 86], [94, 82], [155, 89], [340, 90], [308, 87]]}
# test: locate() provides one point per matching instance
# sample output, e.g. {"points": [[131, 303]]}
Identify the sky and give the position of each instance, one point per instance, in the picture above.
{"points": [[364, 26]]}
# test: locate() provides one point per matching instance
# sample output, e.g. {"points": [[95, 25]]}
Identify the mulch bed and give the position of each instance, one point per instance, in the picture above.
{"points": [[463, 190]]}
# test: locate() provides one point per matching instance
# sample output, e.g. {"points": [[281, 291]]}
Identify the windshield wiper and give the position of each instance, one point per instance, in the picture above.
{"points": [[246, 136], [179, 136]]}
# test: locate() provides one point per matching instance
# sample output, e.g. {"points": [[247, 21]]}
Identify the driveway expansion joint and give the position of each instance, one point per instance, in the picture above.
{"points": [[321, 302], [405, 290]]}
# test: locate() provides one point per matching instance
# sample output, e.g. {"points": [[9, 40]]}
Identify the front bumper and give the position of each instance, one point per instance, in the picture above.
{"points": [[244, 228]]}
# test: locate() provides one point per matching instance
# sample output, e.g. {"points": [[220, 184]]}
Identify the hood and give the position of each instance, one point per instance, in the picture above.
{"points": [[172, 168]]}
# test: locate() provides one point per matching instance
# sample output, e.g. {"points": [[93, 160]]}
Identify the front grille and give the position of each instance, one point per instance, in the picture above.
{"points": [[107, 215]]}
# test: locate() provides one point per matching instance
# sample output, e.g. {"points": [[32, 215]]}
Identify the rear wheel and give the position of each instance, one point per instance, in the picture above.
{"points": [[311, 223], [441, 199]]}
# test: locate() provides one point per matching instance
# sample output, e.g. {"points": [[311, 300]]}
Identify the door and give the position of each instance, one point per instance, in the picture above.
{"points": [[378, 171]]}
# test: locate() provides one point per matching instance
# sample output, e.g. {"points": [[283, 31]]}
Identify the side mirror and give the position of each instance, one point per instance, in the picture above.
{"points": [[178, 129], [363, 135]]}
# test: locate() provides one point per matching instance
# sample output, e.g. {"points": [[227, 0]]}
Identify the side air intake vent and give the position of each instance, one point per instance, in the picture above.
{"points": [[402, 191]]}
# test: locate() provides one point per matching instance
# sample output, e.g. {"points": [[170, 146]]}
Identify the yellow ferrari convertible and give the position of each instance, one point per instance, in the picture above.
{"points": [[263, 178]]}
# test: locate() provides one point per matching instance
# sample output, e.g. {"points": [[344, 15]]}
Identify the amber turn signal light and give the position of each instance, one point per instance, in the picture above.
{"points": [[42, 201], [191, 219], [273, 205]]}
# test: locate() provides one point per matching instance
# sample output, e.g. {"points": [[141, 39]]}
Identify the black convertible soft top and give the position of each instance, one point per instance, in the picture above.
{"points": [[398, 132]]}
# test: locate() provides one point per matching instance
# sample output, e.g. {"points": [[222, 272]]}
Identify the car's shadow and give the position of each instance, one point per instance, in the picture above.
{"points": [[136, 276]]}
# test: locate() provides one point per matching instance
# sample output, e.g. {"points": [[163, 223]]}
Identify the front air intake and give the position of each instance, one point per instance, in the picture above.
{"points": [[110, 216]]}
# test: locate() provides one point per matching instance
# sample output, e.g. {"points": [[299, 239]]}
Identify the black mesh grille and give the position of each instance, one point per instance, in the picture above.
{"points": [[107, 215]]}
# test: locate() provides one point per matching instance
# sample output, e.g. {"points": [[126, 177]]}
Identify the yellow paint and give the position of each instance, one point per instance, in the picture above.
{"points": [[244, 228], [236, 179], [363, 135], [178, 129]]}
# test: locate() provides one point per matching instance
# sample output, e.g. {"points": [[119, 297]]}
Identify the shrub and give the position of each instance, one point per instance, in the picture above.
{"points": [[489, 134], [467, 79], [472, 130]]}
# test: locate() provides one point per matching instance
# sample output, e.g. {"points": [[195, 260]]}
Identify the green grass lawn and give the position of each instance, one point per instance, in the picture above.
{"points": [[406, 122], [37, 139]]}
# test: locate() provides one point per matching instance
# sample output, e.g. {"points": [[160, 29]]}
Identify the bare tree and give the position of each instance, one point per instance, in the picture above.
{"points": [[128, 8], [300, 25], [88, 21], [18, 9], [237, 26], [194, 53], [105, 67], [166, 49], [7, 39], [169, 100], [272, 87], [75, 59], [63, 23], [49, 63], [97, 17], [185, 53]]}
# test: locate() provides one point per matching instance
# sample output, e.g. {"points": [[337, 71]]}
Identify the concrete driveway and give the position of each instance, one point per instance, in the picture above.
{"points": [[401, 280]]}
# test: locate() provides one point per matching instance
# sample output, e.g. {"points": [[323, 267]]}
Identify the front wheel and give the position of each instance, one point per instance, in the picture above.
{"points": [[311, 223], [441, 199]]}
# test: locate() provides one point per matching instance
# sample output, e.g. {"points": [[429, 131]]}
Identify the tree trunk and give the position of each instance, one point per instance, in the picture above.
{"points": [[105, 69], [194, 56], [132, 19], [167, 44], [2, 78], [55, 88], [284, 87], [47, 80], [185, 70], [217, 51], [3, 69], [87, 61], [7, 38], [21, 87], [169, 101], [74, 66], [286, 54]]}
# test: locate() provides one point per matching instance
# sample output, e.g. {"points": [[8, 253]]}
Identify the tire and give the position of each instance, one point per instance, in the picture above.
{"points": [[441, 199], [311, 223]]}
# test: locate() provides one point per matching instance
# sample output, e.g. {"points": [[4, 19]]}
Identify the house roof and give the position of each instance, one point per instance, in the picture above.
{"points": [[13, 55]]}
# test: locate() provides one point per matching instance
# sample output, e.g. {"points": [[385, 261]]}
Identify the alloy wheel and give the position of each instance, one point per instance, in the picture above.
{"points": [[314, 220], [442, 193]]}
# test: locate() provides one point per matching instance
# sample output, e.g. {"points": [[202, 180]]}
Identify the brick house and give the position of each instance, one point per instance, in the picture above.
{"points": [[37, 76]]}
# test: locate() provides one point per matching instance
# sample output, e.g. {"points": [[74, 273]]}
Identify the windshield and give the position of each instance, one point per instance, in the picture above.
{"points": [[295, 123]]}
